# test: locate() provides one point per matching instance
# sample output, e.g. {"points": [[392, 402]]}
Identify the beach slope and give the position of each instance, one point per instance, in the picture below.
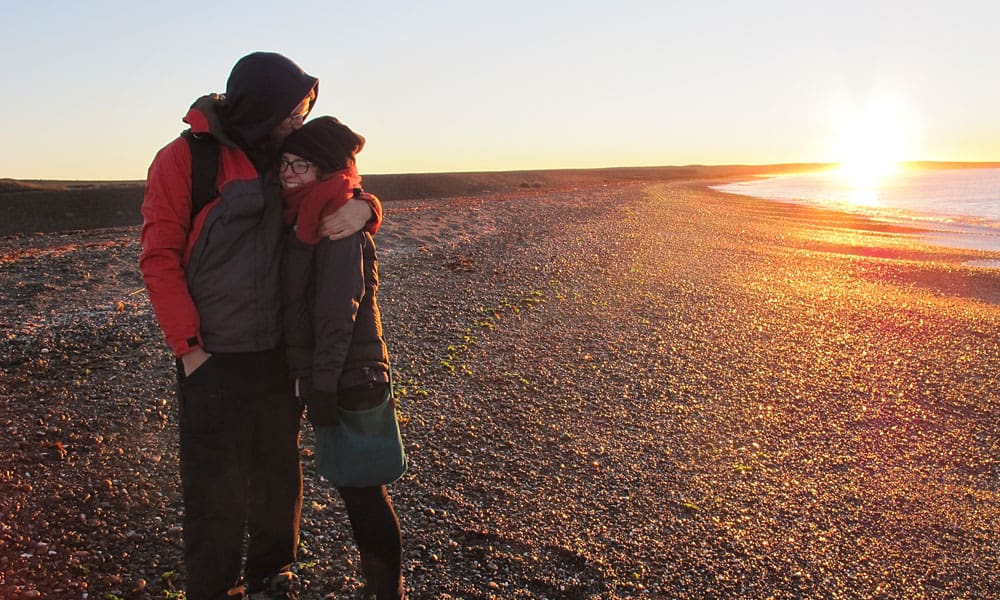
{"points": [[610, 390]]}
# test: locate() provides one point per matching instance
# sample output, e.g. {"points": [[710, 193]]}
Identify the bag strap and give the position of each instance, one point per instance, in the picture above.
{"points": [[204, 169]]}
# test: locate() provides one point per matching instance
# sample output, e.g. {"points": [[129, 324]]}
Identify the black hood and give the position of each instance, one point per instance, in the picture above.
{"points": [[263, 89]]}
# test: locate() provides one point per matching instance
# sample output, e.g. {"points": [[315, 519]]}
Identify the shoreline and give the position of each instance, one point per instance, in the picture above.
{"points": [[956, 231], [900, 247]]}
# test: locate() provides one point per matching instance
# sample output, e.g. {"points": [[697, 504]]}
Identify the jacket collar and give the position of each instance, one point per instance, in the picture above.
{"points": [[203, 118]]}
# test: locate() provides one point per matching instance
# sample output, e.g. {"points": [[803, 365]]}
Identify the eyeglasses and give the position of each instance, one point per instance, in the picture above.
{"points": [[298, 165], [299, 116], [300, 111]]}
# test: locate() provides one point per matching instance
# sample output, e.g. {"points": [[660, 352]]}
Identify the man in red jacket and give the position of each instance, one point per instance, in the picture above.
{"points": [[213, 279]]}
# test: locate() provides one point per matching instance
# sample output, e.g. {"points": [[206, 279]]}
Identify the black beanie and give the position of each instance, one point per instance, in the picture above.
{"points": [[262, 90], [325, 142]]}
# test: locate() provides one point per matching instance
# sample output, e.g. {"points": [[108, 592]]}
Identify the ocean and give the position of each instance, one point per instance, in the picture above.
{"points": [[959, 207]]}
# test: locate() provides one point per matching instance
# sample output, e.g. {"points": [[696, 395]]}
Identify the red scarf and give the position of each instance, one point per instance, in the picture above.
{"points": [[305, 206]]}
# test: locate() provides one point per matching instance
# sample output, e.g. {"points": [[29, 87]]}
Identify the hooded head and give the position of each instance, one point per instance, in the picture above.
{"points": [[325, 142], [262, 91]]}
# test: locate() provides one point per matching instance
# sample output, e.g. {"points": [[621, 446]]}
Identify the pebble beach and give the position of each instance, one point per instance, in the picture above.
{"points": [[607, 390]]}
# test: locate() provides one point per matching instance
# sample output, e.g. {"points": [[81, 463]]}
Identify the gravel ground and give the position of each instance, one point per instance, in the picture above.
{"points": [[610, 392]]}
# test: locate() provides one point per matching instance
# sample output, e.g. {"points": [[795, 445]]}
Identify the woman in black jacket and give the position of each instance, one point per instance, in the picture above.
{"points": [[333, 331]]}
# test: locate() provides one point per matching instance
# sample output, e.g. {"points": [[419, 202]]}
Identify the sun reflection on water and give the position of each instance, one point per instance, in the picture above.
{"points": [[864, 196], [861, 182]]}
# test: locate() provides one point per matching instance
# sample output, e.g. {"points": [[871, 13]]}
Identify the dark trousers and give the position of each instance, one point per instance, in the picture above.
{"points": [[240, 471], [376, 531]]}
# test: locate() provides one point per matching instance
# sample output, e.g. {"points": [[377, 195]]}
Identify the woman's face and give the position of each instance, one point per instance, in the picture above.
{"points": [[296, 171]]}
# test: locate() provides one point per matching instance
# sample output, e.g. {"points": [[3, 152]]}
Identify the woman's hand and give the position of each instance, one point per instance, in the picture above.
{"points": [[347, 220]]}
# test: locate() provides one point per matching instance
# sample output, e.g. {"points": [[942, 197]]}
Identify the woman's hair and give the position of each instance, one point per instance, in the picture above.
{"points": [[325, 142]]}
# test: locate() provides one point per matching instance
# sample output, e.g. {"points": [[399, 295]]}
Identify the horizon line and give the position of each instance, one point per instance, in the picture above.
{"points": [[776, 165]]}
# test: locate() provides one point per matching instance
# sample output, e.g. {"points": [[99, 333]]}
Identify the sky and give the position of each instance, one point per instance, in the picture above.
{"points": [[91, 90]]}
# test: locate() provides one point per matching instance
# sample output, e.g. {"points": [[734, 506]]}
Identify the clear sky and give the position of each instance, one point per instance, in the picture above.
{"points": [[92, 89]]}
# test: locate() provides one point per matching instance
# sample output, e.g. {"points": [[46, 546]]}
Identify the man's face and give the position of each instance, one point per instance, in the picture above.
{"points": [[294, 120]]}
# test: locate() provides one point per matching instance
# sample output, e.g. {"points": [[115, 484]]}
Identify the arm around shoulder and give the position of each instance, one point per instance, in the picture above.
{"points": [[363, 212]]}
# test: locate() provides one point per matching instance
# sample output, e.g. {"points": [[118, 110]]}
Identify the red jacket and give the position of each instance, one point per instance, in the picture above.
{"points": [[214, 280]]}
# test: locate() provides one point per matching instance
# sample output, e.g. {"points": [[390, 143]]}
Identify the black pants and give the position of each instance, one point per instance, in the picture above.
{"points": [[376, 531], [240, 471]]}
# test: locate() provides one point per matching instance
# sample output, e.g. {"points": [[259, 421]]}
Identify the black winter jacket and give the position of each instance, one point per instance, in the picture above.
{"points": [[333, 330]]}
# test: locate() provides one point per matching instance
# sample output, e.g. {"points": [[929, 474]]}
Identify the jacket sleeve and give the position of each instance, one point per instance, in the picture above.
{"points": [[166, 214], [376, 205], [297, 293], [340, 286]]}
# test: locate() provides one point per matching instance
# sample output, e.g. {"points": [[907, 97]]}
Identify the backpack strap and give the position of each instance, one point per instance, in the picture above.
{"points": [[204, 169]]}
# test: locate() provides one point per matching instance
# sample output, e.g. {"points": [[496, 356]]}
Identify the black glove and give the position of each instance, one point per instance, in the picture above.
{"points": [[321, 408]]}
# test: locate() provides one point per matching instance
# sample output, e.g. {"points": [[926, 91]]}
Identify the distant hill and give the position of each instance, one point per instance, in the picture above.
{"points": [[28, 206], [923, 164], [48, 206], [441, 185], [10, 186]]}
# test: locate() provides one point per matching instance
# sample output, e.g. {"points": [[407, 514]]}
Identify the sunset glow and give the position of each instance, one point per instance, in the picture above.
{"points": [[868, 170], [872, 146], [865, 174]]}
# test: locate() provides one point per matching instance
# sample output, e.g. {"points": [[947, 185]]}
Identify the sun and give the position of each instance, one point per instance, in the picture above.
{"points": [[869, 166], [873, 146]]}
